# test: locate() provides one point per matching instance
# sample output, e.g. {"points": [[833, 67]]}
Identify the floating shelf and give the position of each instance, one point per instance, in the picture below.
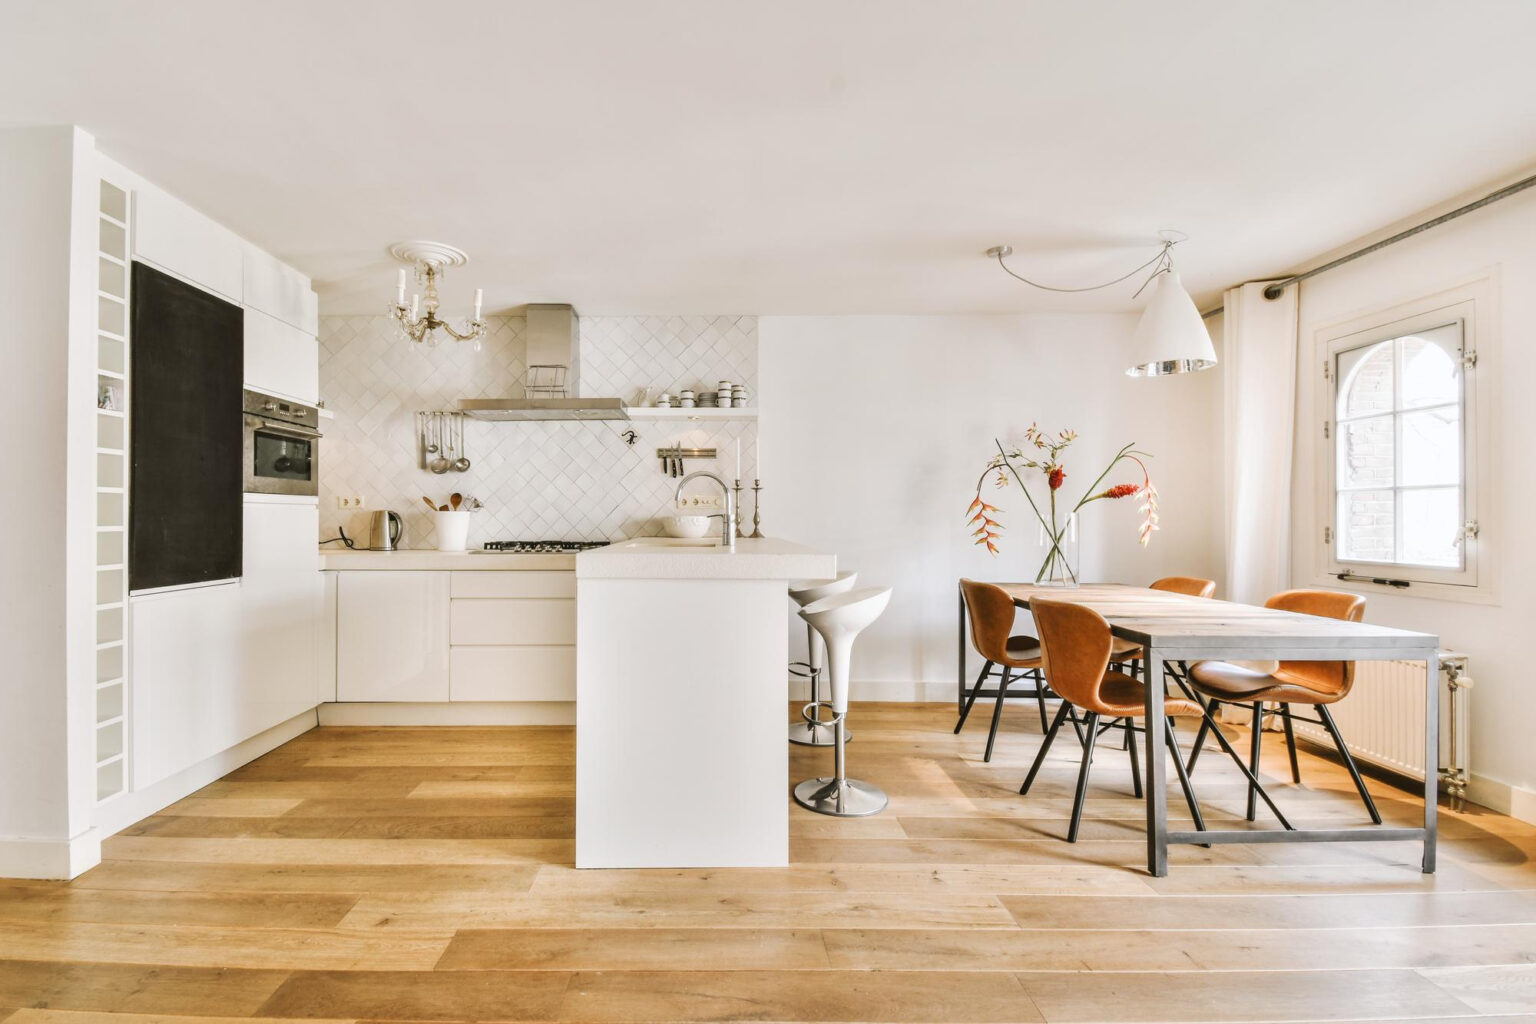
{"points": [[692, 414]]}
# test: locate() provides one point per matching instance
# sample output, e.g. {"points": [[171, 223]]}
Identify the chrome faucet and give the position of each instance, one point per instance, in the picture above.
{"points": [[727, 518]]}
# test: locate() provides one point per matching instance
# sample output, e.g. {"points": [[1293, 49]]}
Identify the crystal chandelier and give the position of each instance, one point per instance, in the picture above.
{"points": [[419, 321]]}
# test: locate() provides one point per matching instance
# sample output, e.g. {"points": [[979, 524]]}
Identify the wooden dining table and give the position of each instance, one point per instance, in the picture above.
{"points": [[1178, 628]]}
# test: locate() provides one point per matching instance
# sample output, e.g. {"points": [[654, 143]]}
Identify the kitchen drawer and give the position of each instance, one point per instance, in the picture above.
{"points": [[514, 584], [527, 621], [512, 673]]}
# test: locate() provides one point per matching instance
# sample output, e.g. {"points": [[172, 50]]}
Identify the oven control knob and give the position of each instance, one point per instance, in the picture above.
{"points": [[269, 407]]}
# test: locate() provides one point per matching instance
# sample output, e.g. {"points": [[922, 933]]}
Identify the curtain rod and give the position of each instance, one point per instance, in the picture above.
{"points": [[1274, 290]]}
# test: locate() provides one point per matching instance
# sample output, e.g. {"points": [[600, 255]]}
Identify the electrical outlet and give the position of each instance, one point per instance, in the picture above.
{"points": [[695, 502], [349, 501]]}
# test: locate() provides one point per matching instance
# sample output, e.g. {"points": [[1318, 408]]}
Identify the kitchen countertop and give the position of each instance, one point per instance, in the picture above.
{"points": [[661, 558], [430, 559]]}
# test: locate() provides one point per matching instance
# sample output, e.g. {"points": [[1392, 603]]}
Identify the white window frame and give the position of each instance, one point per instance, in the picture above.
{"points": [[1473, 305]]}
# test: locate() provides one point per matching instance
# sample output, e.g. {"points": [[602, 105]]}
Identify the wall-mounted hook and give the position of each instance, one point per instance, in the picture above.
{"points": [[630, 437]]}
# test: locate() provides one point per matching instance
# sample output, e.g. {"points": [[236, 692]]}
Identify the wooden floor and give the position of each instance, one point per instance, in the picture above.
{"points": [[425, 874]]}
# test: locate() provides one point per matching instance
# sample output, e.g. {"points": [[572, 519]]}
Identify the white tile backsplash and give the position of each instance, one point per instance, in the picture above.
{"points": [[564, 480]]}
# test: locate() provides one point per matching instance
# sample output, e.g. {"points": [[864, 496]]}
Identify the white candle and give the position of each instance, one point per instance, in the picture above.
{"points": [[738, 458], [757, 466], [400, 288], [415, 301], [479, 294]]}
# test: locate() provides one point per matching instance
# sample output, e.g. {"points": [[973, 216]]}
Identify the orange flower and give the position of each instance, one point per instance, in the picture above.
{"points": [[1055, 477]]}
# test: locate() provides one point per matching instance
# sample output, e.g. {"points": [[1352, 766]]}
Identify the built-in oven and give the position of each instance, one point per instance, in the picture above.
{"points": [[282, 446]]}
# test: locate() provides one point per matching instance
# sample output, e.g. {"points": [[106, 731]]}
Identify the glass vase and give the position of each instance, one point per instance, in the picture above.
{"points": [[1058, 555]]}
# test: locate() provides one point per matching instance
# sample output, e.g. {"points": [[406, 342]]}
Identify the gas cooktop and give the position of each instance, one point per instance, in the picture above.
{"points": [[543, 547]]}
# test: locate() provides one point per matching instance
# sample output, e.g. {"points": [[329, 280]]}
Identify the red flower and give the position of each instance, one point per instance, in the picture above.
{"points": [[1055, 477], [1122, 490]]}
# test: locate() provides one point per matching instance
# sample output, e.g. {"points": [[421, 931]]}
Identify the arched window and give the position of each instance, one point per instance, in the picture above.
{"points": [[1400, 450]]}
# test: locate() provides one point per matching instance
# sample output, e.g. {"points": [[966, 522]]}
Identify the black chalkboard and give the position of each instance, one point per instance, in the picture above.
{"points": [[188, 367]]}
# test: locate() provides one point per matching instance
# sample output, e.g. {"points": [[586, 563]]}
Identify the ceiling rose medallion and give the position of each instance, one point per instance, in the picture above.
{"points": [[419, 321]]}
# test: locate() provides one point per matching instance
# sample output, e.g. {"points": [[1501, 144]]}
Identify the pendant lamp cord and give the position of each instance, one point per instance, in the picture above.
{"points": [[1161, 264]]}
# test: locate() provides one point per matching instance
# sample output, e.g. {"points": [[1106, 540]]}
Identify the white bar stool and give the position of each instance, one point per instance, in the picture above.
{"points": [[839, 619], [812, 732]]}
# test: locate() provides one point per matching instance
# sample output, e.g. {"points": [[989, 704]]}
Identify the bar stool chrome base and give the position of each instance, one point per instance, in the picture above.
{"points": [[810, 734], [813, 731], [848, 798]]}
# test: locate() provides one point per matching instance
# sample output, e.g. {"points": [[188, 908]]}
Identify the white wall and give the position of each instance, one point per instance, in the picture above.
{"points": [[46, 545], [875, 428], [1502, 236]]}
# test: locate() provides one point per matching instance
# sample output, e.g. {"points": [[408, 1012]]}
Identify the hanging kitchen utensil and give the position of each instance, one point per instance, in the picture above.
{"points": [[440, 464], [462, 463], [428, 419]]}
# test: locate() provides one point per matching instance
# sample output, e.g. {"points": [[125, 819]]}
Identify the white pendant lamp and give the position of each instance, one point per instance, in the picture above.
{"points": [[1171, 336]]}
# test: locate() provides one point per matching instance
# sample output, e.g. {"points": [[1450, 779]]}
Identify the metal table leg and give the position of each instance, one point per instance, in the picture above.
{"points": [[1431, 756], [960, 646], [1157, 770]]}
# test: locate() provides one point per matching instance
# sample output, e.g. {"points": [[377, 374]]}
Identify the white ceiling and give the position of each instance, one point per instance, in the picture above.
{"points": [[788, 156]]}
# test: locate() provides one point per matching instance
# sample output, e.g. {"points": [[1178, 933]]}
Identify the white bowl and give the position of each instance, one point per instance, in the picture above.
{"points": [[686, 526]]}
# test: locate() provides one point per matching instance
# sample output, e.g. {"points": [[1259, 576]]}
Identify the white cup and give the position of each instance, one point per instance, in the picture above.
{"points": [[452, 530]]}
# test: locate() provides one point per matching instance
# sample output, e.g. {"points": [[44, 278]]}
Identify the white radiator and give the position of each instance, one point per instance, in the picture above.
{"points": [[1382, 719]]}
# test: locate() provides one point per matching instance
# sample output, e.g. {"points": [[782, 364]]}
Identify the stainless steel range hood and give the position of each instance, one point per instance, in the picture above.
{"points": [[518, 409], [552, 333]]}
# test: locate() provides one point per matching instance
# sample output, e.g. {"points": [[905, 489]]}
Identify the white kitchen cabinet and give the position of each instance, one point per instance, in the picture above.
{"points": [[187, 694], [281, 598], [513, 636], [279, 291], [392, 636], [280, 359], [176, 238], [517, 621]]}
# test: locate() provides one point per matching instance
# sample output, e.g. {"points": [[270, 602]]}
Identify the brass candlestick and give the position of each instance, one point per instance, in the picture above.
{"points": [[737, 489], [757, 485]]}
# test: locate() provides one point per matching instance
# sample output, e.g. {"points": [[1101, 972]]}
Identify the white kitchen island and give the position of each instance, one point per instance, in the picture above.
{"points": [[681, 653]]}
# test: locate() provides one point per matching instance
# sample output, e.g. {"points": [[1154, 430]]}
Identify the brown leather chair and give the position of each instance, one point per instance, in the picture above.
{"points": [[991, 611], [1317, 683], [1075, 646], [1191, 586]]}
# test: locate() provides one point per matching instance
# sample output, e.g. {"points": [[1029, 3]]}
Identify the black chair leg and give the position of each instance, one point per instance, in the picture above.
{"points": [[1130, 744], [1253, 780], [1184, 783], [1205, 727], [1040, 699], [997, 712], [1082, 779], [1255, 748], [1290, 742], [965, 712], [1045, 746], [1349, 762]]}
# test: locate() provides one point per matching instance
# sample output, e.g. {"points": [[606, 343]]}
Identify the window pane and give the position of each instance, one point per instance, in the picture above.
{"points": [[1432, 527], [1365, 453], [1365, 380], [1431, 361], [1431, 443], [1366, 528]]}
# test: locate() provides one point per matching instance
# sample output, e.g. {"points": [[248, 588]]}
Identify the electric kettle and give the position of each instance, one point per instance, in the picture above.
{"points": [[384, 530]]}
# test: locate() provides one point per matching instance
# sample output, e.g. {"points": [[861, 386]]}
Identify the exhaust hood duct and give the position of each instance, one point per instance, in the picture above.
{"points": [[552, 333]]}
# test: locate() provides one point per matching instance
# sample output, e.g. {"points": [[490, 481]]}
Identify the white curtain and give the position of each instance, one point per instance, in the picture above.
{"points": [[1258, 361]]}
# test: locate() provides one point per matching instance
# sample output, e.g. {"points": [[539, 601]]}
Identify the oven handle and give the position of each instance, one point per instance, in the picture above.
{"points": [[290, 429]]}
